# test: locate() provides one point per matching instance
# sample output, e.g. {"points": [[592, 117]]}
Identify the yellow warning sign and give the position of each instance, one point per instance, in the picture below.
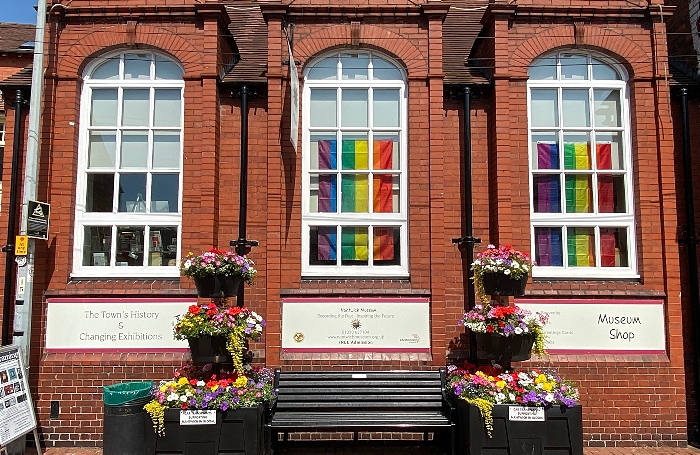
{"points": [[21, 242]]}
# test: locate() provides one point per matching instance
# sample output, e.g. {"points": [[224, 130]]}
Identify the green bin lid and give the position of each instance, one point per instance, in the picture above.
{"points": [[117, 394]]}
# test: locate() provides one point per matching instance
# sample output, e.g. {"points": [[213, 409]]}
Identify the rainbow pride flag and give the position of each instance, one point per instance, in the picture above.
{"points": [[355, 154], [604, 154], [577, 155], [354, 244], [328, 154], [547, 194], [547, 156], [606, 194], [327, 243], [578, 193], [327, 193], [355, 193], [383, 154], [607, 248], [580, 246], [383, 243], [549, 247]]}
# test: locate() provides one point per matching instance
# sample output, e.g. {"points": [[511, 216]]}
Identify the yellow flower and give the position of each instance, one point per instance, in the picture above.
{"points": [[540, 379], [547, 386], [242, 381], [182, 381], [500, 384]]}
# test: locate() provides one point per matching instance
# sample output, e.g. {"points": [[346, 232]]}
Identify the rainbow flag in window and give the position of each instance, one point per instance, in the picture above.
{"points": [[578, 193], [547, 156], [355, 154], [580, 247], [327, 241], [355, 193], [549, 247], [577, 155], [354, 244], [383, 243]]}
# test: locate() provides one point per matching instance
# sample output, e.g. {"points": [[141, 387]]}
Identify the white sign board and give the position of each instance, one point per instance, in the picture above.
{"points": [[602, 326], [525, 414], [294, 95], [128, 324], [198, 417], [16, 410], [362, 324]]}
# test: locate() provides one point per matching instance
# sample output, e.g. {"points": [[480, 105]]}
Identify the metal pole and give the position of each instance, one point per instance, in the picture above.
{"points": [[243, 189], [9, 247], [691, 241], [23, 307]]}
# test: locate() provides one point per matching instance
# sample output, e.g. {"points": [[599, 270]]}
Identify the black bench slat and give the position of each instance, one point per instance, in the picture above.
{"points": [[355, 383], [345, 390], [359, 397], [394, 375]]}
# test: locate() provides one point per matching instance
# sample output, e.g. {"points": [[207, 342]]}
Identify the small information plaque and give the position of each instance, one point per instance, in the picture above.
{"points": [[198, 417], [525, 414]]}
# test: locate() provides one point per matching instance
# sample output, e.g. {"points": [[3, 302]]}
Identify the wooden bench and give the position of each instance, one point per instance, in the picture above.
{"points": [[366, 401]]}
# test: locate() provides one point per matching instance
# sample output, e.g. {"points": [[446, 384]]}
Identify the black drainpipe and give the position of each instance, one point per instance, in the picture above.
{"points": [[468, 239], [9, 247], [691, 241], [242, 244]]}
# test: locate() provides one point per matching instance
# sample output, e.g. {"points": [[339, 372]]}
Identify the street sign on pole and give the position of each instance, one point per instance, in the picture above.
{"points": [[38, 220]]}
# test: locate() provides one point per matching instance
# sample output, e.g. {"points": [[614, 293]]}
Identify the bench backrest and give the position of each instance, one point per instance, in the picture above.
{"points": [[359, 391]]}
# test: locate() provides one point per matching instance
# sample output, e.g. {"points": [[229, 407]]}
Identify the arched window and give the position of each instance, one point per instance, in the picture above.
{"points": [[128, 210], [354, 162], [580, 167]]}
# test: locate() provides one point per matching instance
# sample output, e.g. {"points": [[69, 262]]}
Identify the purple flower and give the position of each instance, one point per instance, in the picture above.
{"points": [[224, 405]]}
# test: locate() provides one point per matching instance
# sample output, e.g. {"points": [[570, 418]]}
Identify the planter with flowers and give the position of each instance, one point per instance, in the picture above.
{"points": [[533, 411], [218, 334], [507, 333], [217, 273], [500, 271], [205, 413]]}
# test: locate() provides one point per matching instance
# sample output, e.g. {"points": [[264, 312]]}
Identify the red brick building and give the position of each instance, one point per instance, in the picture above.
{"points": [[569, 136]]}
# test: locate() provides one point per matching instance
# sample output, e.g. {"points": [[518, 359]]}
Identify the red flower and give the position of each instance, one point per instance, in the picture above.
{"points": [[193, 309], [489, 328], [184, 405]]}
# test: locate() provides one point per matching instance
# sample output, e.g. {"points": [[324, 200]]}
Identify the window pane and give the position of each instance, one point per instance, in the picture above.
{"points": [[386, 108], [355, 67], [325, 69], [355, 151], [579, 246], [577, 151], [166, 150], [323, 151], [97, 245], [386, 152], [354, 193], [544, 69], [609, 151], [574, 67], [103, 111], [107, 70], [354, 108], [132, 192], [134, 153], [323, 107], [544, 107], [130, 246], [546, 196], [102, 149], [323, 245], [383, 70], [613, 247], [354, 246], [575, 108], [545, 150], [167, 107], [607, 107], [137, 66], [386, 242], [100, 193], [162, 246], [165, 191], [603, 72], [136, 107], [548, 247], [611, 194], [324, 193], [166, 69], [385, 197], [578, 193]]}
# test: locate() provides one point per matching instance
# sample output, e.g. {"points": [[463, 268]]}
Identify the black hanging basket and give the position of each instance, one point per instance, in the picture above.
{"points": [[506, 349], [216, 286], [500, 284], [208, 349]]}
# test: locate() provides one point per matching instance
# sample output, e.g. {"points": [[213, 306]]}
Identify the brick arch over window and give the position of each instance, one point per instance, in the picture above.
{"points": [[629, 53], [377, 37], [115, 37]]}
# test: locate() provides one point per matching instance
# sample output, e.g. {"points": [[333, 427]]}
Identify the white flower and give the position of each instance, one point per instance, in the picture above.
{"points": [[188, 264], [258, 317], [250, 321], [500, 396], [506, 272], [183, 398], [258, 328], [518, 330], [188, 393], [201, 383], [549, 398], [172, 397], [511, 397]]}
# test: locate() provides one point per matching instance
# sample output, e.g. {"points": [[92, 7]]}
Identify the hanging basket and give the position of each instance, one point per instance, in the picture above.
{"points": [[500, 284], [217, 286], [208, 349], [506, 349]]}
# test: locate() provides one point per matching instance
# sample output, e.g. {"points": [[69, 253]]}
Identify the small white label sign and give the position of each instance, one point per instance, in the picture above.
{"points": [[525, 414], [198, 417]]}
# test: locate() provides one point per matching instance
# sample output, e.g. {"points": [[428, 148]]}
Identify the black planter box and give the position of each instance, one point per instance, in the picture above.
{"points": [[500, 284], [188, 439], [217, 286], [505, 349], [208, 349], [561, 432], [236, 432]]}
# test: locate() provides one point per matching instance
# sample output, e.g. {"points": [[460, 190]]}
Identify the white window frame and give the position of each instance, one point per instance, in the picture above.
{"points": [[399, 219], [589, 220], [117, 219]]}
